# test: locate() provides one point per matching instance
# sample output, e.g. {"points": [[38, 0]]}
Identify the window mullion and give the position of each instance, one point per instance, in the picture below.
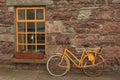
{"points": [[35, 31], [17, 28], [26, 30]]}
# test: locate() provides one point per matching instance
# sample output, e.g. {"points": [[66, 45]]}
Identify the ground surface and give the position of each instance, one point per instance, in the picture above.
{"points": [[42, 74]]}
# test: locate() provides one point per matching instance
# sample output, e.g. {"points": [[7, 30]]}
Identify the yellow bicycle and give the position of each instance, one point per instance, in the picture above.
{"points": [[91, 61]]}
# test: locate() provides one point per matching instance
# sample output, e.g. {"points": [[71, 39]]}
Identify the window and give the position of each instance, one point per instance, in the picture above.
{"points": [[30, 30]]}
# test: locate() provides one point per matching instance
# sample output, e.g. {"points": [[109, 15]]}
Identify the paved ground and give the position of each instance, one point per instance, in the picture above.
{"points": [[17, 74]]}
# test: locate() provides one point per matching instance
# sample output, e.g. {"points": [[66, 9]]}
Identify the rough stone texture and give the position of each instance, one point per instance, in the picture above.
{"points": [[84, 14], [54, 27], [28, 2], [2, 30], [102, 14], [115, 1], [96, 25], [7, 37], [11, 9], [2, 1], [7, 47], [76, 21], [111, 27]]}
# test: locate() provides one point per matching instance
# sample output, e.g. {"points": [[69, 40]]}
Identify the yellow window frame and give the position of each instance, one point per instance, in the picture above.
{"points": [[26, 32]]}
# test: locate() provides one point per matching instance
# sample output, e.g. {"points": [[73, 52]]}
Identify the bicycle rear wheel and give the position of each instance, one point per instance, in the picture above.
{"points": [[57, 70], [93, 70]]}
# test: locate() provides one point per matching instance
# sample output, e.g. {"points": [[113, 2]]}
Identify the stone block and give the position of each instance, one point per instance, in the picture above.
{"points": [[75, 42], [118, 41], [7, 37], [11, 29], [61, 15], [11, 9], [102, 14], [111, 51], [51, 49], [73, 23], [92, 37], [3, 30], [115, 6], [117, 14], [82, 30], [116, 1], [50, 39], [81, 36], [1, 1], [111, 27], [85, 12], [69, 30], [95, 31], [108, 37], [63, 39], [54, 27], [28, 2]]}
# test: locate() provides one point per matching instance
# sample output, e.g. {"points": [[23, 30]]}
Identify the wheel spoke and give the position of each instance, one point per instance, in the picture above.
{"points": [[90, 69], [57, 68]]}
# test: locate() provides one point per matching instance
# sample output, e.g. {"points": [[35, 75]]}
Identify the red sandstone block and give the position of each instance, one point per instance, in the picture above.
{"points": [[118, 41], [102, 14], [115, 6], [2, 1], [111, 27], [117, 14], [75, 41]]}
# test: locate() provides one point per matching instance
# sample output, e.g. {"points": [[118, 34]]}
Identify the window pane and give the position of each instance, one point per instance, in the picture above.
{"points": [[22, 49], [21, 14], [31, 38], [40, 38], [40, 27], [31, 48], [31, 27], [30, 14], [21, 38], [41, 49], [39, 14], [21, 27]]}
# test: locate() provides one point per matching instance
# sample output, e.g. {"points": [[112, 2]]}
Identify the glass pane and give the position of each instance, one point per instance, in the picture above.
{"points": [[40, 38], [21, 38], [30, 14], [39, 14], [21, 27], [21, 14], [31, 27], [31, 38], [41, 49], [22, 49], [31, 48], [40, 27]]}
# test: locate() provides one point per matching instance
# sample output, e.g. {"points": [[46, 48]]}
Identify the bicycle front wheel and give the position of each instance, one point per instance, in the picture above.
{"points": [[56, 67], [93, 70]]}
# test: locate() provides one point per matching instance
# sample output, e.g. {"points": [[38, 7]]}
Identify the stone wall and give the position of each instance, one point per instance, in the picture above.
{"points": [[7, 47], [84, 22], [80, 21]]}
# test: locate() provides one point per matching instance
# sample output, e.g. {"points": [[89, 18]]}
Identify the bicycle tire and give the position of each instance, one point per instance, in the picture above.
{"points": [[93, 71], [54, 69]]}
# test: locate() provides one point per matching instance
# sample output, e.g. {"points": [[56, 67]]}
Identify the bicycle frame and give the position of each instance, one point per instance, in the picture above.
{"points": [[80, 60]]}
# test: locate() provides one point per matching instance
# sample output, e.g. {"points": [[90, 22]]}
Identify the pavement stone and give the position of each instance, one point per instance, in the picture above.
{"points": [[42, 74]]}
